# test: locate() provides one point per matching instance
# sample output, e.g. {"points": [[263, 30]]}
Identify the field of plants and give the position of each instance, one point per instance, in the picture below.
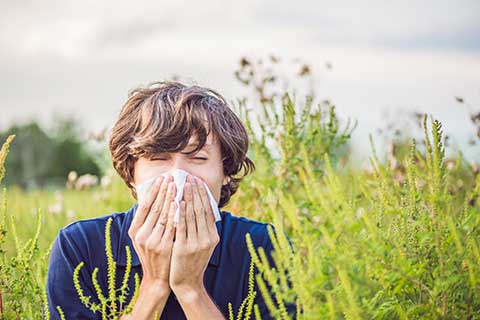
{"points": [[399, 239]]}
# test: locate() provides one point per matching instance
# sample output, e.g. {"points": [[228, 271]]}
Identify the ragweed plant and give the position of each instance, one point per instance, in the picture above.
{"points": [[274, 283], [376, 245], [246, 306], [107, 306], [19, 277], [427, 236], [278, 124], [3, 155]]}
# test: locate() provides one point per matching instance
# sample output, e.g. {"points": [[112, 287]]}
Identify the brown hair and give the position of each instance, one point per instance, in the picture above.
{"points": [[164, 115]]}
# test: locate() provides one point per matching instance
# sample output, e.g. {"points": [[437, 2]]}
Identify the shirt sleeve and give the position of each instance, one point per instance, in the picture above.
{"points": [[259, 299], [65, 255]]}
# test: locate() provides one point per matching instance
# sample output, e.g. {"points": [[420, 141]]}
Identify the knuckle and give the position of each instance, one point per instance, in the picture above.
{"points": [[161, 190], [140, 240], [161, 222], [163, 209], [156, 207], [144, 206], [161, 248], [150, 246], [203, 245], [164, 213], [158, 250], [192, 248], [164, 189]]}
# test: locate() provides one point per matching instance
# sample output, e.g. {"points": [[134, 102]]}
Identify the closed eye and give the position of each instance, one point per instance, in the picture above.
{"points": [[197, 158]]}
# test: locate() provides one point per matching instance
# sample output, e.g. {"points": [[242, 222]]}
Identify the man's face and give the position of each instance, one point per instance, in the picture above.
{"points": [[206, 164]]}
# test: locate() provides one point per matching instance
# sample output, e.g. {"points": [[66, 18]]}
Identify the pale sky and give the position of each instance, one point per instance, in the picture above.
{"points": [[82, 57]]}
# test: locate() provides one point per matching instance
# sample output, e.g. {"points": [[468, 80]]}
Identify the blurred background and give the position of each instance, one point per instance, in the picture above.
{"points": [[66, 68]]}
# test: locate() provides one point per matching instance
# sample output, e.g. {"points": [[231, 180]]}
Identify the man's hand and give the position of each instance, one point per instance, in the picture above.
{"points": [[179, 264], [152, 233], [195, 239]]}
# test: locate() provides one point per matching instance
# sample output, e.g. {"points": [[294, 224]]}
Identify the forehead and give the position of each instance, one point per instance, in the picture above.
{"points": [[210, 143]]}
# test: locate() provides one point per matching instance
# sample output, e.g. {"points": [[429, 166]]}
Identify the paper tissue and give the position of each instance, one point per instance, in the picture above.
{"points": [[179, 177]]}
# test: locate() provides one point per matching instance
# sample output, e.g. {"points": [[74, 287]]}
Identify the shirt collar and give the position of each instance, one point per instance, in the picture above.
{"points": [[124, 240]]}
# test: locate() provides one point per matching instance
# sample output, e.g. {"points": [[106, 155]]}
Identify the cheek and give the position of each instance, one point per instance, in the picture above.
{"points": [[146, 171], [214, 183]]}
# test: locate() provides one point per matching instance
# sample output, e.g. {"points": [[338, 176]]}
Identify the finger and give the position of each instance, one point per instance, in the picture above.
{"points": [[181, 230], [202, 231], [159, 229], [144, 207], [170, 228], [209, 217], [189, 213], [163, 216], [157, 206], [168, 199]]}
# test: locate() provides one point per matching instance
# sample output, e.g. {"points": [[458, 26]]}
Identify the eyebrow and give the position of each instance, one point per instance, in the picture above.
{"points": [[206, 146]]}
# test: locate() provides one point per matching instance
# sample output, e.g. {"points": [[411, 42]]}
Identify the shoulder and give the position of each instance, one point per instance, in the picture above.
{"points": [[92, 227], [83, 238], [236, 228], [79, 244]]}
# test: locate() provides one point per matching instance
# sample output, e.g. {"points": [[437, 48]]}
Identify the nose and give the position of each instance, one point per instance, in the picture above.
{"points": [[179, 163]]}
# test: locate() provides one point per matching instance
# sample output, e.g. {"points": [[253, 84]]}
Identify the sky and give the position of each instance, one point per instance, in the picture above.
{"points": [[388, 59]]}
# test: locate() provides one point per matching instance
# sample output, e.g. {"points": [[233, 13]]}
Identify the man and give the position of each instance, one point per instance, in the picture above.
{"points": [[190, 270]]}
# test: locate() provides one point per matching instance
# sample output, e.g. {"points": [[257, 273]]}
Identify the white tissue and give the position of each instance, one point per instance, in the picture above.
{"points": [[179, 177]]}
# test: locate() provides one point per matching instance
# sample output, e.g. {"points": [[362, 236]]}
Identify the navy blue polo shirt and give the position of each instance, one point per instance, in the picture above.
{"points": [[225, 279]]}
